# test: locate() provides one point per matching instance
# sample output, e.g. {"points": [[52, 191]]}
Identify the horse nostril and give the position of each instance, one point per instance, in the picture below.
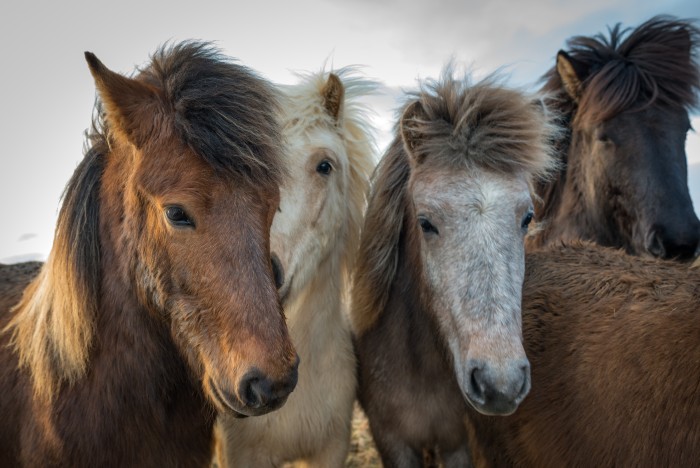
{"points": [[277, 270], [476, 385], [525, 387], [677, 245], [655, 244], [255, 390]]}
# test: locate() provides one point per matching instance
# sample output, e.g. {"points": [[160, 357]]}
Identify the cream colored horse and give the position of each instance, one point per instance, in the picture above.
{"points": [[315, 234]]}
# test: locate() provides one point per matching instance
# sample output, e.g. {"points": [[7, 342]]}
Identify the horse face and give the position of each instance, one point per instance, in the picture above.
{"points": [[204, 266], [309, 222], [635, 182], [473, 223]]}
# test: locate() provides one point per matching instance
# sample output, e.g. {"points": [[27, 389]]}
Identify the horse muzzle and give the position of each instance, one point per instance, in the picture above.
{"points": [[255, 393], [497, 390]]}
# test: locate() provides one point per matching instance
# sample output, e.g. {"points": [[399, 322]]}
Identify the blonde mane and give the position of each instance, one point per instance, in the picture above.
{"points": [[53, 324], [483, 124], [304, 110]]}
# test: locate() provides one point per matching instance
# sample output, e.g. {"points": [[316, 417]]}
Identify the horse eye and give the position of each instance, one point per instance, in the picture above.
{"points": [[526, 219], [324, 167], [177, 216], [604, 138], [426, 226]]}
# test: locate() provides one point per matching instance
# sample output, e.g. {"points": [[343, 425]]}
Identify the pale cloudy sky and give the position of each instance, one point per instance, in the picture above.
{"points": [[47, 93]]}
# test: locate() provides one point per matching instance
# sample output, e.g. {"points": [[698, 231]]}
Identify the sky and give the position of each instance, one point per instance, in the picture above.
{"points": [[47, 93]]}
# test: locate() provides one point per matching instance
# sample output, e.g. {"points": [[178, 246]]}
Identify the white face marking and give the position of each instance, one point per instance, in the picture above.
{"points": [[475, 262], [312, 206]]}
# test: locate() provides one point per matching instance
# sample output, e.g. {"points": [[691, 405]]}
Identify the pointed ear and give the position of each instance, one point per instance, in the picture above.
{"points": [[411, 128], [572, 73], [333, 96], [130, 104]]}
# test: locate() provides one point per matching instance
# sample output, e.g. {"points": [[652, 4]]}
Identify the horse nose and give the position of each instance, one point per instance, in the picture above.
{"points": [[277, 270], [683, 245], [498, 390], [258, 391]]}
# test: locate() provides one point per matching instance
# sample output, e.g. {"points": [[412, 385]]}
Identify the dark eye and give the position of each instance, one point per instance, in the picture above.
{"points": [[426, 226], [604, 137], [527, 219], [324, 167], [177, 216]]}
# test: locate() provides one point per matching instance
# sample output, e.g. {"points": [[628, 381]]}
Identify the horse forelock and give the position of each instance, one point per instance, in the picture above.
{"points": [[225, 112], [655, 63], [485, 124], [52, 326], [303, 111]]}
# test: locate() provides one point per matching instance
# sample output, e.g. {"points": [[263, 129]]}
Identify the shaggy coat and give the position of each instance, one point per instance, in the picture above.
{"points": [[614, 343]]}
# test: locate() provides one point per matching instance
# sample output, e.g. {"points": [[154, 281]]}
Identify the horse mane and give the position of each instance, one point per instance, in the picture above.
{"points": [[304, 110], [225, 113], [483, 124], [53, 324], [656, 62]]}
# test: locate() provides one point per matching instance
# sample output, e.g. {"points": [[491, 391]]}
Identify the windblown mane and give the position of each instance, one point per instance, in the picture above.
{"points": [[225, 113], [304, 110], [633, 69], [482, 124]]}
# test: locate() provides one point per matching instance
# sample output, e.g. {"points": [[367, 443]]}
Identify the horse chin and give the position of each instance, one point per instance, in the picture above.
{"points": [[495, 404], [494, 408]]}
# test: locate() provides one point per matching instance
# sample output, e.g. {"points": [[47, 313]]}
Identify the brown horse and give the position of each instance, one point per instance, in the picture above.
{"points": [[157, 305], [437, 289], [614, 343], [625, 101]]}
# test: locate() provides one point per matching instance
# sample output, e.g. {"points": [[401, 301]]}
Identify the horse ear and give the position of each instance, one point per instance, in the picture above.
{"points": [[572, 73], [411, 129], [333, 96], [129, 103]]}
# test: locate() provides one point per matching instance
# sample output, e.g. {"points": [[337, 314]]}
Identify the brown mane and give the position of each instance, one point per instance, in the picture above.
{"points": [[214, 105], [480, 124], [215, 109], [633, 69]]}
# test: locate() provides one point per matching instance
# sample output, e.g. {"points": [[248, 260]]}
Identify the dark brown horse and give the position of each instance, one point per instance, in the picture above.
{"points": [[625, 100], [437, 289], [614, 343], [157, 305]]}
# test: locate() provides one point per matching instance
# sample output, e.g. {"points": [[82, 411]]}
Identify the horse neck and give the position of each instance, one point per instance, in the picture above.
{"points": [[563, 213], [320, 304]]}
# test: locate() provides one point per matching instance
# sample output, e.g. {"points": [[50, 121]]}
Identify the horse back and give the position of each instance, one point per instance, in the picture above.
{"points": [[13, 385]]}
